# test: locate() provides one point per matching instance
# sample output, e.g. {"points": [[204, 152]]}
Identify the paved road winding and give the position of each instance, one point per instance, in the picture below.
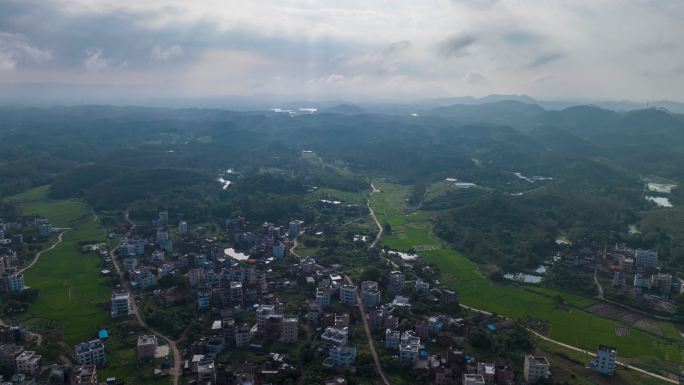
{"points": [[574, 348], [173, 346]]}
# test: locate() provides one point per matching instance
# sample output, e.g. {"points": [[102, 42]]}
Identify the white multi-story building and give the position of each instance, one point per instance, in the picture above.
{"points": [[295, 228], [395, 284], [536, 368], [409, 347], [44, 229], [342, 356], [662, 282], [15, 282], [243, 334], [143, 278], [370, 294], [334, 337], [408, 351], [164, 270], [28, 362], [262, 313], [605, 360], [120, 304], [129, 264], [182, 227], [135, 246], [641, 281], [422, 287], [203, 298], [392, 339], [279, 250], [645, 259], [323, 297], [158, 256], [236, 292], [90, 353], [348, 294], [290, 330], [147, 346]]}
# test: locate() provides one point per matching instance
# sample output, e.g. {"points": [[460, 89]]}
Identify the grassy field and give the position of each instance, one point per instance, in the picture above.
{"points": [[575, 327], [72, 294]]}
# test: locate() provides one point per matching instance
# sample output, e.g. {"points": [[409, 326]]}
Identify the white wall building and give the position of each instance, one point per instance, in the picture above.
{"points": [[605, 360], [90, 353], [536, 368]]}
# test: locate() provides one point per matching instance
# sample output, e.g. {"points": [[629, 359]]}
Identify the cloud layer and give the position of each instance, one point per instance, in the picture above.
{"points": [[404, 49]]}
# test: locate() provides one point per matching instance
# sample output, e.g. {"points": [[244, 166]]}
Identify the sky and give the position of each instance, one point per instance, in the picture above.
{"points": [[131, 50]]}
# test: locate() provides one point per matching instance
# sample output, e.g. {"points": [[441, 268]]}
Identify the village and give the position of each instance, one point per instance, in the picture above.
{"points": [[267, 314]]}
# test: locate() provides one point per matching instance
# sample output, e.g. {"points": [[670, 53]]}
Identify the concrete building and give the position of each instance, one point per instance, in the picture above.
{"points": [[28, 362], [334, 337], [85, 375], [262, 314], [143, 278], [449, 297], [641, 281], [645, 259], [235, 294], [348, 294], [473, 379], [342, 356], [135, 247], [395, 284], [342, 320], [370, 294], [203, 298], [605, 360], [409, 348], [488, 372], [392, 339], [243, 335], [15, 282], [278, 250], [290, 332], [129, 264], [90, 353], [422, 287], [158, 256], [44, 229], [295, 228], [147, 346], [307, 265], [120, 304], [164, 217], [535, 369], [182, 227], [323, 297], [206, 372], [662, 283]]}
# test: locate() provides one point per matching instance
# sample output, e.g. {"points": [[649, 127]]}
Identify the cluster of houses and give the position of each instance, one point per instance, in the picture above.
{"points": [[642, 265], [11, 240]]}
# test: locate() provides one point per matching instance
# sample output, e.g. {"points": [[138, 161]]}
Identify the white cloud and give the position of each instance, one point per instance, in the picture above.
{"points": [[94, 60], [15, 48], [371, 49], [161, 53], [334, 78], [473, 78]]}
